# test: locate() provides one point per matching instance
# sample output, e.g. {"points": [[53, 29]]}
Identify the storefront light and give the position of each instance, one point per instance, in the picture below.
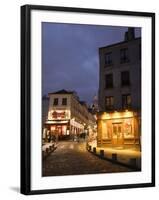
{"points": [[128, 114], [103, 115], [116, 113], [67, 132]]}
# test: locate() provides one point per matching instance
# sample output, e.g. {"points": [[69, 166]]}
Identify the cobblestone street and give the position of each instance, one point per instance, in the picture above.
{"points": [[72, 158]]}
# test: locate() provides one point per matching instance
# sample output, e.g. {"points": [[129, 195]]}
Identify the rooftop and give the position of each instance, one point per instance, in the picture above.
{"points": [[120, 43], [63, 91]]}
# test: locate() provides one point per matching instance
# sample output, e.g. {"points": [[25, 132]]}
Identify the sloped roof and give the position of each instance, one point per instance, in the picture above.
{"points": [[62, 92], [120, 43]]}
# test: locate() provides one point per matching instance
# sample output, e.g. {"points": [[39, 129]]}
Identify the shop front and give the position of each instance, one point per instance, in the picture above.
{"points": [[61, 126], [57, 130], [119, 129], [64, 129], [60, 130], [57, 125]]}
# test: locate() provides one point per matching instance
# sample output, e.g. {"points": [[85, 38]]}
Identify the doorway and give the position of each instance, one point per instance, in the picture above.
{"points": [[117, 134]]}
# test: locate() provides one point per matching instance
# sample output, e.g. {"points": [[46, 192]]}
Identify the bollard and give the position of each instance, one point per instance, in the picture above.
{"points": [[114, 156], [94, 149], [133, 162], [89, 149], [102, 153]]}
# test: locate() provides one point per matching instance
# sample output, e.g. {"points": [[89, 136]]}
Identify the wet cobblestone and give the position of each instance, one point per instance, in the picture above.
{"points": [[72, 158]]}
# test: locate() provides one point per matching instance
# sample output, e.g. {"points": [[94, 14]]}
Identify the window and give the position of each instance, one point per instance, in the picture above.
{"points": [[105, 130], [109, 103], [126, 101], [64, 101], [108, 58], [127, 128], [109, 81], [55, 102], [124, 55], [125, 78]]}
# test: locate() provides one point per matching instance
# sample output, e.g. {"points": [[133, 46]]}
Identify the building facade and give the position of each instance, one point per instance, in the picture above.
{"points": [[119, 119], [68, 116]]}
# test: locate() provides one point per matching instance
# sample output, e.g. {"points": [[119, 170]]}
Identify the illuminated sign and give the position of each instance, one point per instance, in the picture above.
{"points": [[58, 114]]}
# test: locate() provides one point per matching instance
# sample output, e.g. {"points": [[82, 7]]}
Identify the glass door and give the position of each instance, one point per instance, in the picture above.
{"points": [[117, 136]]}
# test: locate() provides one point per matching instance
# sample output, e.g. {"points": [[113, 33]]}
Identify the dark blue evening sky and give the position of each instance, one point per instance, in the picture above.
{"points": [[70, 57]]}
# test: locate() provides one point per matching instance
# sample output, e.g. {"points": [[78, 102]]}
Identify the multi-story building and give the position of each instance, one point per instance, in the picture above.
{"points": [[68, 116], [120, 92]]}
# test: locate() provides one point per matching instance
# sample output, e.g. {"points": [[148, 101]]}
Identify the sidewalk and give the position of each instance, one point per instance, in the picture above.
{"points": [[47, 145], [48, 148], [130, 157]]}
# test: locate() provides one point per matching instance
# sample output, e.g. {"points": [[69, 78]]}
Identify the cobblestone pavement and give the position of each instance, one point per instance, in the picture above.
{"points": [[72, 158]]}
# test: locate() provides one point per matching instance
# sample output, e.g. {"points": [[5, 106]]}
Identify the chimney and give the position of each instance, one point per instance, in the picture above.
{"points": [[130, 34]]}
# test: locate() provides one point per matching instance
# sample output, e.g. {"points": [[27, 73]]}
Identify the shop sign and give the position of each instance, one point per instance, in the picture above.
{"points": [[59, 115]]}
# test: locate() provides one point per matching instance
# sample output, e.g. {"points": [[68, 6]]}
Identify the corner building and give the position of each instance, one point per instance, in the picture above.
{"points": [[68, 116], [119, 119]]}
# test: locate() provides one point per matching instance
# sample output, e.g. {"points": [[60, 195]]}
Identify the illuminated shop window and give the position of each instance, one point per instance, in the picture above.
{"points": [[105, 130], [128, 133]]}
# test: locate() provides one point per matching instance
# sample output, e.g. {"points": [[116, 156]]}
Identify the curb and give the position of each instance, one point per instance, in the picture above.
{"points": [[114, 158], [48, 151]]}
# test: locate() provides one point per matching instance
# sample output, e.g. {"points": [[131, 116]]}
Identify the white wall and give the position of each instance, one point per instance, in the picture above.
{"points": [[60, 97], [10, 95]]}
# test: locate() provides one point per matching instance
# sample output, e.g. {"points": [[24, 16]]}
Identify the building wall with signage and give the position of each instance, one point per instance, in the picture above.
{"points": [[119, 129], [67, 116], [120, 92]]}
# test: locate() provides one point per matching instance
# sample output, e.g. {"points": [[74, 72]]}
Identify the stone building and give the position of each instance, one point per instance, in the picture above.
{"points": [[119, 119], [68, 116]]}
